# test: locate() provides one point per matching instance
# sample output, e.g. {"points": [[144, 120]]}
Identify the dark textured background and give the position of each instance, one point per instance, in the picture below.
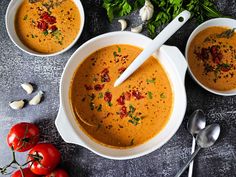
{"points": [[17, 67]]}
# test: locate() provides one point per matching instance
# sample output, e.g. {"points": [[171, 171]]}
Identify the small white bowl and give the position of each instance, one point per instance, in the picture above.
{"points": [[175, 66], [223, 22], [10, 26]]}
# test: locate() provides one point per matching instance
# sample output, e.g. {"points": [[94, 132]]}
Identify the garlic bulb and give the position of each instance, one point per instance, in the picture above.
{"points": [[36, 99], [146, 12], [123, 24], [137, 29], [17, 104], [27, 87]]}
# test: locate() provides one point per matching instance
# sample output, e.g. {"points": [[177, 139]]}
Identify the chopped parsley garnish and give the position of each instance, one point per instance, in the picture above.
{"points": [[135, 120], [162, 95], [226, 34], [114, 54], [131, 108], [149, 95], [91, 105], [45, 32], [119, 49], [100, 95], [92, 96], [99, 109], [109, 103], [25, 17], [153, 80]]}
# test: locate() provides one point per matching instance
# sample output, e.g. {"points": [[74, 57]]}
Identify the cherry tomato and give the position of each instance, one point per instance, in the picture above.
{"points": [[26, 171], [44, 158], [23, 136], [58, 173]]}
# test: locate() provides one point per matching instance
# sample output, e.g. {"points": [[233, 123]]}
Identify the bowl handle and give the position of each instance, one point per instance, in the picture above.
{"points": [[66, 130], [178, 59]]}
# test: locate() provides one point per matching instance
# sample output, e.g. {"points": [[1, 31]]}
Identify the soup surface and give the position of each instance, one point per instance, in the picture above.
{"points": [[212, 58], [47, 26], [127, 115]]}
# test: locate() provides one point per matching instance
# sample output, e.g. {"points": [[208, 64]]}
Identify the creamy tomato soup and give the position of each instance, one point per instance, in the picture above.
{"points": [[47, 26], [212, 58], [123, 116]]}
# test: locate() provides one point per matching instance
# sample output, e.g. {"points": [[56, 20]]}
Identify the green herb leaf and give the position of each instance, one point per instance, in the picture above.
{"points": [[131, 108], [117, 8], [164, 10], [100, 95], [99, 109], [226, 34], [45, 32], [153, 80], [114, 54], [91, 105], [119, 49], [162, 95], [109, 104], [149, 95], [135, 120], [25, 17]]}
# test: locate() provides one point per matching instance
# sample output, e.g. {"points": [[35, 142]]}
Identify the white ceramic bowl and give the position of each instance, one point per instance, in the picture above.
{"points": [[10, 26], [223, 22], [175, 66]]}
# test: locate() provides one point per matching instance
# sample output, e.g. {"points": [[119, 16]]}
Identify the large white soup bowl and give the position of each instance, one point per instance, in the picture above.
{"points": [[175, 66]]}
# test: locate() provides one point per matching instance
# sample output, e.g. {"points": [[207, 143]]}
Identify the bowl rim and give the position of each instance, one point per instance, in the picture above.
{"points": [[82, 21], [198, 29], [63, 102]]}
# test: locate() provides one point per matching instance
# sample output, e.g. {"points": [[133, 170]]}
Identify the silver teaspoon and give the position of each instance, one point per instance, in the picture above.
{"points": [[196, 122], [205, 138]]}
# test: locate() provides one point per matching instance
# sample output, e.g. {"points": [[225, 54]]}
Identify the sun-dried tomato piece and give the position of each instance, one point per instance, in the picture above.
{"points": [[127, 96], [123, 112], [44, 15], [52, 28], [104, 75], [42, 25], [51, 20], [225, 67], [137, 95], [108, 96], [121, 70], [48, 18], [98, 87], [121, 100], [88, 87]]}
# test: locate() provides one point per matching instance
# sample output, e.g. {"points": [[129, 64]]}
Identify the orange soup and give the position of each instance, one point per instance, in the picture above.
{"points": [[212, 58], [47, 26], [123, 116]]}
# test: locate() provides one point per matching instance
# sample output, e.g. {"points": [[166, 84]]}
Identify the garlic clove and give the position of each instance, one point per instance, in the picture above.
{"points": [[27, 87], [123, 24], [146, 12], [17, 104], [36, 99], [137, 29]]}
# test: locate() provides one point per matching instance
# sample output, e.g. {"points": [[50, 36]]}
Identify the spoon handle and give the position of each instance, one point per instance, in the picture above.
{"points": [[157, 42], [187, 164], [190, 169]]}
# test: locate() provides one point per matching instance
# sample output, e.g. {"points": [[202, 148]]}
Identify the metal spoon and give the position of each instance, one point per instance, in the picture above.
{"points": [[205, 138], [196, 122]]}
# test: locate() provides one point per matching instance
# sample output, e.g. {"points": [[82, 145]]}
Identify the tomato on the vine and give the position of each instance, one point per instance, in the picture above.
{"points": [[23, 136], [26, 171], [43, 158], [58, 173]]}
